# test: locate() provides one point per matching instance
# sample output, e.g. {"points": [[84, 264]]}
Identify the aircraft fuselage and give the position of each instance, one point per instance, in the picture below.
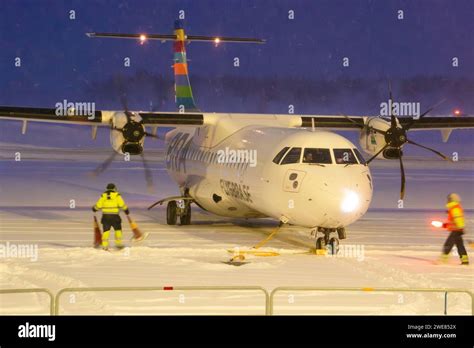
{"points": [[236, 175]]}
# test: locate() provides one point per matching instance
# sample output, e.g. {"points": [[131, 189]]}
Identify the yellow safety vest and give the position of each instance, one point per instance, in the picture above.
{"points": [[455, 216], [110, 203]]}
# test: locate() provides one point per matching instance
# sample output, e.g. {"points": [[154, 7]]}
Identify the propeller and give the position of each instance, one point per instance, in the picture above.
{"points": [[104, 165], [396, 138], [363, 126], [148, 176], [375, 156], [410, 124], [133, 132]]}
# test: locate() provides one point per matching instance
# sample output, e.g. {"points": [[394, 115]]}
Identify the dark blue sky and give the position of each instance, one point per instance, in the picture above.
{"points": [[301, 63], [59, 61]]}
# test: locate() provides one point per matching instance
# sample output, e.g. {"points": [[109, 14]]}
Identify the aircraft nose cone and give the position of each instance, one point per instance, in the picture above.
{"points": [[345, 205], [350, 201], [341, 196]]}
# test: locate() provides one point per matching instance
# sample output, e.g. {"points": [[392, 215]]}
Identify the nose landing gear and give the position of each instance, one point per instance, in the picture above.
{"points": [[328, 243]]}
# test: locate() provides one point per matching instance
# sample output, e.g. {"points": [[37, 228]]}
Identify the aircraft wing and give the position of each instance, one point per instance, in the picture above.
{"points": [[98, 118], [47, 115], [356, 122], [171, 119]]}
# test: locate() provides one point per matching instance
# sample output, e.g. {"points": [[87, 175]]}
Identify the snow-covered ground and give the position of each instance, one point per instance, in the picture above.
{"points": [[395, 247]]}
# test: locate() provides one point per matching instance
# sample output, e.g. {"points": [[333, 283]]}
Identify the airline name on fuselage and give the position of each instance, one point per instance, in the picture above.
{"points": [[235, 190]]}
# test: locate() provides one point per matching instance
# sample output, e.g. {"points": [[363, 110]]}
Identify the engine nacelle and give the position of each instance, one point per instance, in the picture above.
{"points": [[127, 135], [371, 142]]}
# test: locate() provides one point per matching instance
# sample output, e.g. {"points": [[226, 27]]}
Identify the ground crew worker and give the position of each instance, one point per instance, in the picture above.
{"points": [[455, 225], [110, 202]]}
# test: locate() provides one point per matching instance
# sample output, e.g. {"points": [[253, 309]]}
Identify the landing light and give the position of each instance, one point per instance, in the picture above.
{"points": [[217, 40], [142, 38], [350, 202], [457, 112]]}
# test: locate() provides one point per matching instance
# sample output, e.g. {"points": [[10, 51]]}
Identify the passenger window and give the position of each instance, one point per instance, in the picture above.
{"points": [[279, 155], [359, 156], [344, 156], [322, 156], [293, 156]]}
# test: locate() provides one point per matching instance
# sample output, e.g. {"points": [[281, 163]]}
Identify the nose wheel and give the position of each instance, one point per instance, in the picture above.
{"points": [[333, 246], [328, 243], [320, 243]]}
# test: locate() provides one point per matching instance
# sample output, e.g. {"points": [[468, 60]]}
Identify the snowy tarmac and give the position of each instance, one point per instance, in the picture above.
{"points": [[388, 247]]}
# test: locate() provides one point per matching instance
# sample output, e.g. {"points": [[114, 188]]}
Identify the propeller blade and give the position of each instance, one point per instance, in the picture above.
{"points": [[354, 122], [151, 135], [148, 176], [374, 156], [393, 119], [363, 126], [104, 165], [123, 100], [413, 120], [402, 171], [390, 90], [430, 149], [432, 108], [123, 97]]}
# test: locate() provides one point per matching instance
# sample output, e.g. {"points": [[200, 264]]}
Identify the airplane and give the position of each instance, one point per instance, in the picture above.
{"points": [[291, 168]]}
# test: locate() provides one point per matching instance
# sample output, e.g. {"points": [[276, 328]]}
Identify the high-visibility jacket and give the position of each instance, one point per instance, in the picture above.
{"points": [[110, 202], [455, 216]]}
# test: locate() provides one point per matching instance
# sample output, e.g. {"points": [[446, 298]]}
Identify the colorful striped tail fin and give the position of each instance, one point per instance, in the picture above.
{"points": [[183, 92]]}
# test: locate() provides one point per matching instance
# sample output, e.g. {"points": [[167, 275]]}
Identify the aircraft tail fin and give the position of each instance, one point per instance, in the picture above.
{"points": [[183, 91]]}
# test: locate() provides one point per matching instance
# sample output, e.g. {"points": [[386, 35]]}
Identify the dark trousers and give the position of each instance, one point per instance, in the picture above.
{"points": [[111, 220], [455, 238]]}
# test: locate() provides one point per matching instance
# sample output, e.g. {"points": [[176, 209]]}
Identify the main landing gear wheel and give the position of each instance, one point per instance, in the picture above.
{"points": [[171, 213], [185, 218]]}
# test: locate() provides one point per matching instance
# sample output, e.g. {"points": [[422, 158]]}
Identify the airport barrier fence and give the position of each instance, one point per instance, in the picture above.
{"points": [[379, 290], [33, 290], [164, 288], [54, 300]]}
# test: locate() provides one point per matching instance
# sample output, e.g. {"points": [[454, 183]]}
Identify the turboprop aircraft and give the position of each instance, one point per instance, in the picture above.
{"points": [[291, 168]]}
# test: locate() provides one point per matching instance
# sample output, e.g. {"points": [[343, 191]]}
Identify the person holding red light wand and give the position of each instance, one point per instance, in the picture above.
{"points": [[455, 225]]}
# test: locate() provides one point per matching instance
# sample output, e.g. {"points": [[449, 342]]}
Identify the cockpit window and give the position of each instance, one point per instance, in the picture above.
{"points": [[293, 156], [279, 155], [359, 156], [322, 156], [344, 156]]}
